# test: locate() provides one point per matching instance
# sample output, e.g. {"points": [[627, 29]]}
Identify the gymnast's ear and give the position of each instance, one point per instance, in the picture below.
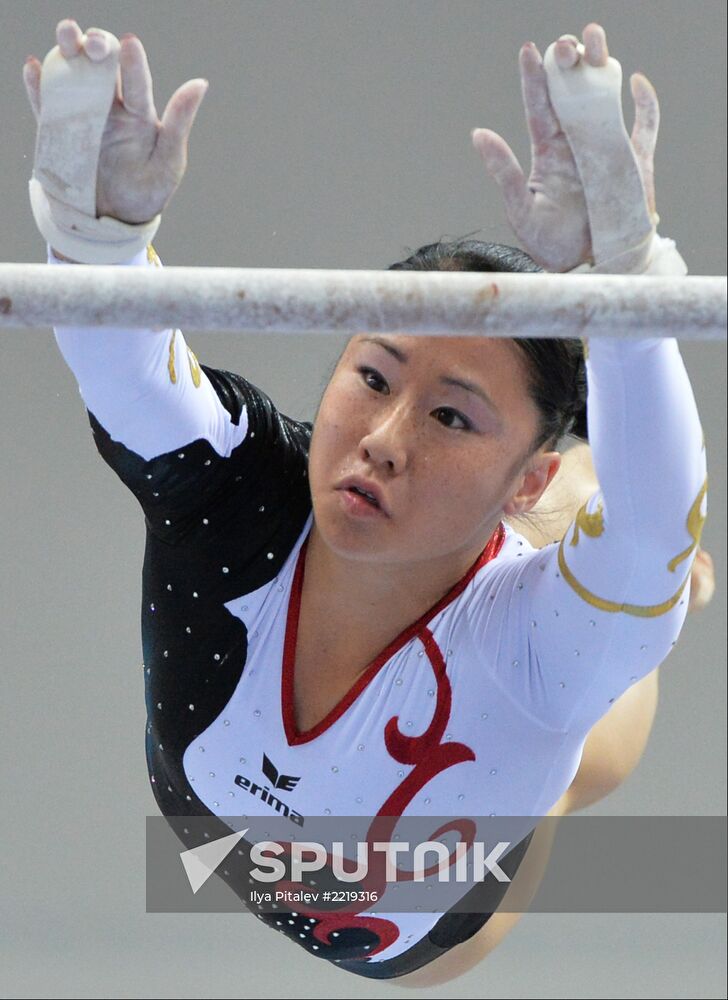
{"points": [[532, 481]]}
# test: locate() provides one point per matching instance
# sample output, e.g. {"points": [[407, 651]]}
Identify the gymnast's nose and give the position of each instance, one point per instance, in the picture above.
{"points": [[388, 441]]}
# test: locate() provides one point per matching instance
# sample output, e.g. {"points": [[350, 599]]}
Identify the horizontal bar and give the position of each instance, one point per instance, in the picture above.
{"points": [[311, 300]]}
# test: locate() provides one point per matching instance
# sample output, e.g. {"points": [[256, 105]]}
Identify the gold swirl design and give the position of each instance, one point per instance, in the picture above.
{"points": [[695, 523], [194, 368], [194, 364], [152, 256], [639, 610], [170, 363], [591, 524]]}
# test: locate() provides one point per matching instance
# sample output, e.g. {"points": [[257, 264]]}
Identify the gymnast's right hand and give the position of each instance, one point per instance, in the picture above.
{"points": [[141, 159]]}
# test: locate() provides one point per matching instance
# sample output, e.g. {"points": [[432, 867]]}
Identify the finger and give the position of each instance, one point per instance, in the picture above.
{"points": [[69, 38], [177, 121], [503, 166], [644, 132], [31, 80], [647, 114], [540, 116], [97, 44], [566, 51], [595, 45], [136, 79]]}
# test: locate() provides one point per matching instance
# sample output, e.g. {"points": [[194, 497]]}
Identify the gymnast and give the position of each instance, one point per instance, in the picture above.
{"points": [[452, 590]]}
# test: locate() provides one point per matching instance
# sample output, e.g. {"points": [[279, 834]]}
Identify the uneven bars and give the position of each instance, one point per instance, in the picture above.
{"points": [[311, 300]]}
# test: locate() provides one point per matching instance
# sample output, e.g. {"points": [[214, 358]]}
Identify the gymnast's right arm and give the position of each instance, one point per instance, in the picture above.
{"points": [[145, 386], [105, 167], [183, 437]]}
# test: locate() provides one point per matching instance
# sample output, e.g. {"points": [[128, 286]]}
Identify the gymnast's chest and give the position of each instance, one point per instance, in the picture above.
{"points": [[404, 737]]}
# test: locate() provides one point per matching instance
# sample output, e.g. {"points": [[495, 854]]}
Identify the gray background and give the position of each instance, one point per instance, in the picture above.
{"points": [[334, 134]]}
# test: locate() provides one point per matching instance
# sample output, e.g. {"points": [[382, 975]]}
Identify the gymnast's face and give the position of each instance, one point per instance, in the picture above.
{"points": [[449, 460]]}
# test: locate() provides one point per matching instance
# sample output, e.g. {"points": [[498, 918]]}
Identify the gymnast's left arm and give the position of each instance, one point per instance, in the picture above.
{"points": [[588, 616]]}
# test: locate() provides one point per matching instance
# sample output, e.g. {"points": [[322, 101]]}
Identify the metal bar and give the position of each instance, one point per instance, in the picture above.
{"points": [[349, 301]]}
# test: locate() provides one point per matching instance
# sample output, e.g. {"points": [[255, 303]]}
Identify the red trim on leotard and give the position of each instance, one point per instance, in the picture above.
{"points": [[293, 736]]}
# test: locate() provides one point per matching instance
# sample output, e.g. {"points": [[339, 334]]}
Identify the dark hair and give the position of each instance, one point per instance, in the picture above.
{"points": [[556, 366]]}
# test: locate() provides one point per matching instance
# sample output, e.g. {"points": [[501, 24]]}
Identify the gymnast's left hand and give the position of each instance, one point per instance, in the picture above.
{"points": [[548, 211]]}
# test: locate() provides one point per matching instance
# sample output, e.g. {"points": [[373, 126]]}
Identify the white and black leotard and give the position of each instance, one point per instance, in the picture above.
{"points": [[482, 705]]}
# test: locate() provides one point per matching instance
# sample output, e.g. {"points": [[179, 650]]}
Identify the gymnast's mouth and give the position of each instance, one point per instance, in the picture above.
{"points": [[367, 489]]}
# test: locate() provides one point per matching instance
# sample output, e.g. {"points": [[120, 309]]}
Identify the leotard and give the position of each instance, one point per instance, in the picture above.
{"points": [[482, 705]]}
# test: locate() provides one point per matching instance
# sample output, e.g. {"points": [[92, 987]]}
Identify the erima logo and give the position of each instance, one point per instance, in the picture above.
{"points": [[286, 782]]}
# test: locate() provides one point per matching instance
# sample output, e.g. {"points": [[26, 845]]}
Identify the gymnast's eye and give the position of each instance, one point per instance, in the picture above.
{"points": [[447, 409], [371, 372]]}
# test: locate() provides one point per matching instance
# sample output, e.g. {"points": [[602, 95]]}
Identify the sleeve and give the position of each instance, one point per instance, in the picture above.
{"points": [[574, 624], [182, 436]]}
